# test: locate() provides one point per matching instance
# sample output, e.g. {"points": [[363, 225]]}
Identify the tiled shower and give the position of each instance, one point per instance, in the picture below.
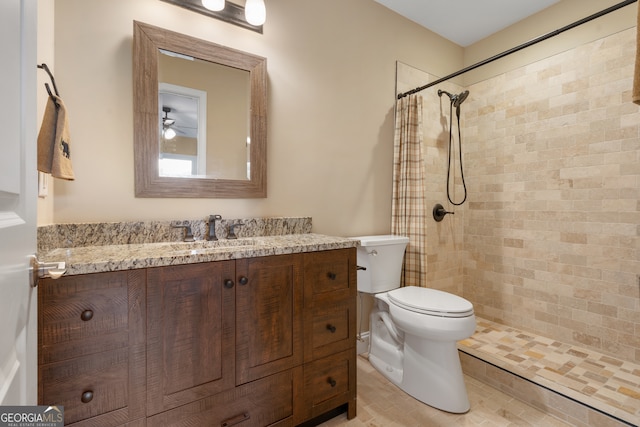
{"points": [[549, 238], [552, 229]]}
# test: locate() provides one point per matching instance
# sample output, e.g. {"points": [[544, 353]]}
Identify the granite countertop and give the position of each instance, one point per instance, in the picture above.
{"points": [[115, 257]]}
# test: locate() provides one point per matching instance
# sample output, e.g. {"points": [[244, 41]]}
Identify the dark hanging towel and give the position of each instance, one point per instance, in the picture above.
{"points": [[54, 139]]}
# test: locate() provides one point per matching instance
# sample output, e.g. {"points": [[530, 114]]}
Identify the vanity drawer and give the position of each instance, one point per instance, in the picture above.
{"points": [[88, 386], [332, 329], [81, 315], [264, 402], [330, 382], [329, 271]]}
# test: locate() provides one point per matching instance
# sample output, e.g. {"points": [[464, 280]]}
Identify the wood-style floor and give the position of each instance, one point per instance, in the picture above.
{"points": [[382, 404]]}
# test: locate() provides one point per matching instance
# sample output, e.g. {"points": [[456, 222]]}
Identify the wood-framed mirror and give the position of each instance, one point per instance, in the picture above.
{"points": [[156, 110]]}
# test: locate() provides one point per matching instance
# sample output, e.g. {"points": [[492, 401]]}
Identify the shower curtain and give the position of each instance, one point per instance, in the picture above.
{"points": [[408, 212]]}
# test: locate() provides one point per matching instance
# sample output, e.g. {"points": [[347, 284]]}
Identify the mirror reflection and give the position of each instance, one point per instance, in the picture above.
{"points": [[183, 142], [204, 118]]}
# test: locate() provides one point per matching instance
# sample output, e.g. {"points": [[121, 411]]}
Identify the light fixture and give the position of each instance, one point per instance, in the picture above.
{"points": [[251, 16], [255, 12], [167, 131], [215, 5]]}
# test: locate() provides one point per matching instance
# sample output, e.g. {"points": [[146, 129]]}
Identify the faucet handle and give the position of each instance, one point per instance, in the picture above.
{"points": [[188, 234], [232, 230]]}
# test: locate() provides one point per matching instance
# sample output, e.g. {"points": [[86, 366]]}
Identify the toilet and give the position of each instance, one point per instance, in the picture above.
{"points": [[414, 330]]}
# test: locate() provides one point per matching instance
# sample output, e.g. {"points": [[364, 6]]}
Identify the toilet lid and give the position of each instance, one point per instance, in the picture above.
{"points": [[431, 302]]}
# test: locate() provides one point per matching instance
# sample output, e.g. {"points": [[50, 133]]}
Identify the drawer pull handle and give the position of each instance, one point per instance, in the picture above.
{"points": [[228, 283], [331, 328], [87, 396], [235, 420], [243, 280], [331, 276], [86, 315], [331, 382]]}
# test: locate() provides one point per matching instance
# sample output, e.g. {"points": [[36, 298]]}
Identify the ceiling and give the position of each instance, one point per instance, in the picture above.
{"points": [[465, 22]]}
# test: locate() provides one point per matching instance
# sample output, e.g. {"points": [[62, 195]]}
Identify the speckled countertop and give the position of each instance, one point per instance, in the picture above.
{"points": [[112, 255]]}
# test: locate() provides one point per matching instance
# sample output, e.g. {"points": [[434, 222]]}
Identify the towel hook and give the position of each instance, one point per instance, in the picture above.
{"points": [[53, 82]]}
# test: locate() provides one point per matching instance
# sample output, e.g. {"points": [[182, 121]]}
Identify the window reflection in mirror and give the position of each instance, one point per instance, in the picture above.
{"points": [[182, 130], [211, 97]]}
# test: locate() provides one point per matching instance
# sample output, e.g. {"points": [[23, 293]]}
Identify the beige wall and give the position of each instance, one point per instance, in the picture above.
{"points": [[331, 72]]}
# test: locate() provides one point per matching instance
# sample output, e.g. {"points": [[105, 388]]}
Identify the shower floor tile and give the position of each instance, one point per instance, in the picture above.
{"points": [[600, 381]]}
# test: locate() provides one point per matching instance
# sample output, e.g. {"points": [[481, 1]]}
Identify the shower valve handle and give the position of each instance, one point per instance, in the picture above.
{"points": [[439, 212]]}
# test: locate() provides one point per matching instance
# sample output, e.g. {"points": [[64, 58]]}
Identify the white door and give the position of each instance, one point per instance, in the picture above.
{"points": [[18, 196]]}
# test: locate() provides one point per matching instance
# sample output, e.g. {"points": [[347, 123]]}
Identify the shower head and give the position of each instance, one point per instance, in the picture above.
{"points": [[459, 99], [456, 99]]}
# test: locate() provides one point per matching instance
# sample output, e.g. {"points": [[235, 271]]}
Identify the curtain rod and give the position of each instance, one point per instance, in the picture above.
{"points": [[520, 47]]}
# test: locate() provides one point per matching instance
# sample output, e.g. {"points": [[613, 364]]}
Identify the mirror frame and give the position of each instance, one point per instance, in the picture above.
{"points": [[147, 40]]}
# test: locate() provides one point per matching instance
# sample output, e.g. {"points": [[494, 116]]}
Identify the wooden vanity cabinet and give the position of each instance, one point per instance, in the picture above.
{"points": [[266, 341], [91, 347]]}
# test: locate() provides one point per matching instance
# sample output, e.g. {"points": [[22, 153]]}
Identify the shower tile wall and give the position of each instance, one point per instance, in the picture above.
{"points": [[553, 223], [550, 236]]}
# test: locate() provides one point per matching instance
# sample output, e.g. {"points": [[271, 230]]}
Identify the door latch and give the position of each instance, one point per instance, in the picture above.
{"points": [[54, 270]]}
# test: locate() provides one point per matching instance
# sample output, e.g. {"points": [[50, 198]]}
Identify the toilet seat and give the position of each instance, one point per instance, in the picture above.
{"points": [[431, 302]]}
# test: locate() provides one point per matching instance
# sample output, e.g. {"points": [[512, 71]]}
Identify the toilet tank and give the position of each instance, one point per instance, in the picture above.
{"points": [[382, 257]]}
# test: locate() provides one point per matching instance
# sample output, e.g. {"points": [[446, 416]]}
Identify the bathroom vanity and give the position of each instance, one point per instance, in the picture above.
{"points": [[252, 332]]}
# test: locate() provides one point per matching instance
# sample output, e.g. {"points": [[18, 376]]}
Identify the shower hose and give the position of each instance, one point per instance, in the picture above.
{"points": [[464, 185]]}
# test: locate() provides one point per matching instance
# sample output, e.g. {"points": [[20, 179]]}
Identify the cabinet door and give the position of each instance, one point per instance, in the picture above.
{"points": [[92, 348], [190, 333], [268, 315]]}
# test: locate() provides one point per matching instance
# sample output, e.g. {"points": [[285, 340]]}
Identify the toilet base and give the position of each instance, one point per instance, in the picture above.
{"points": [[432, 374], [428, 370], [385, 352], [390, 372], [438, 383]]}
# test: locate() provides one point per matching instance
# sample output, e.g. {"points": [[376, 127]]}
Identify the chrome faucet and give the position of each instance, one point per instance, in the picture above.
{"points": [[212, 226]]}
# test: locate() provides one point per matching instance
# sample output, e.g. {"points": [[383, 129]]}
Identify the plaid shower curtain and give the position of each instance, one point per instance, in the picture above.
{"points": [[408, 212]]}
